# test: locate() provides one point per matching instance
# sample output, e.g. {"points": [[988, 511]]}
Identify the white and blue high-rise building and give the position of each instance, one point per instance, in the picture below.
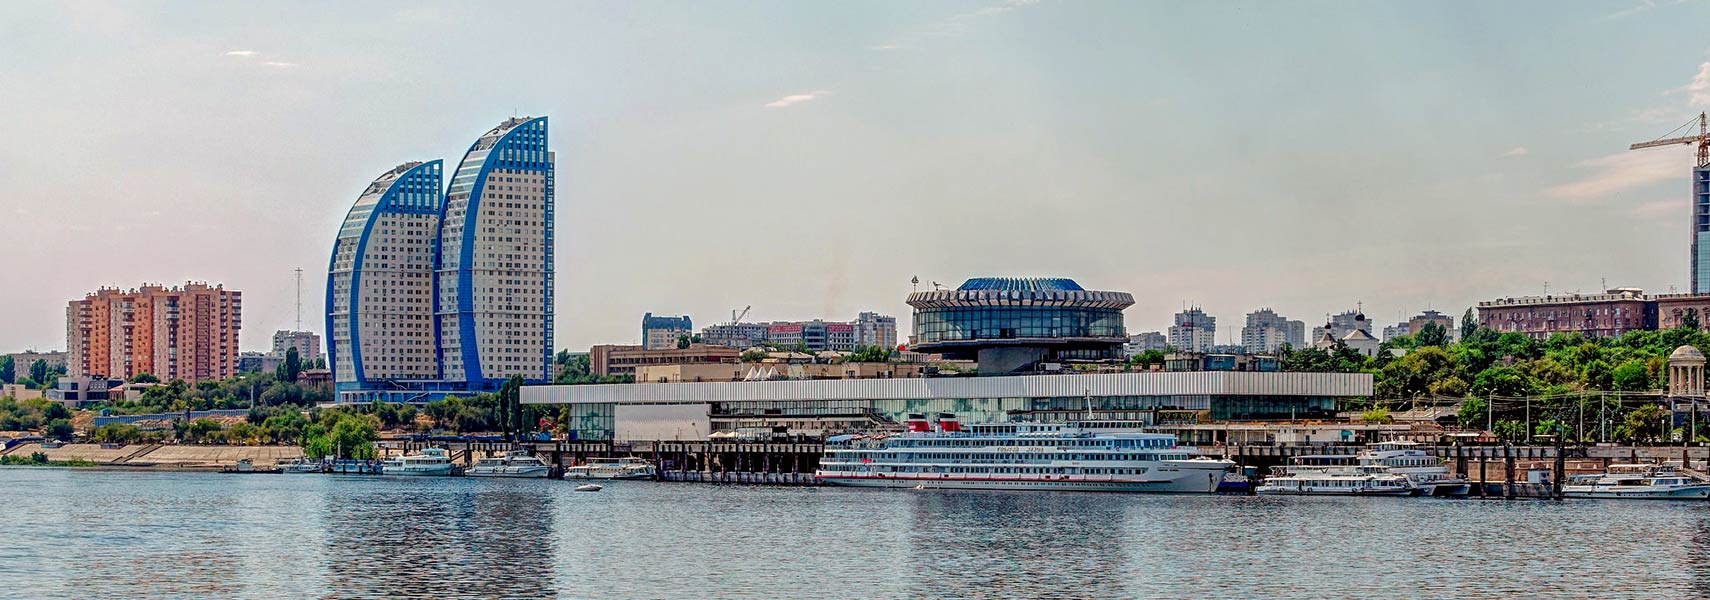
{"points": [[431, 293], [1701, 229]]}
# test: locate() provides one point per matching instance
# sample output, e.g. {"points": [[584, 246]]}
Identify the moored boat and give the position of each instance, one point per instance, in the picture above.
{"points": [[1017, 456], [1427, 473], [628, 467], [430, 462], [301, 464], [1314, 480], [1639, 482], [515, 463]]}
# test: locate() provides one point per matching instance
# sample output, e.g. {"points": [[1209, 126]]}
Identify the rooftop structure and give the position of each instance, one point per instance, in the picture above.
{"points": [[1010, 325], [660, 332]]}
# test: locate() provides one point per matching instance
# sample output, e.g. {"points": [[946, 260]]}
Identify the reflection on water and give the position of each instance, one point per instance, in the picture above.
{"points": [[91, 534], [1025, 544], [420, 538]]}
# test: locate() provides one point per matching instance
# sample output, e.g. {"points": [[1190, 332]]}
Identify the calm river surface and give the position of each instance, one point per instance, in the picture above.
{"points": [[70, 533]]}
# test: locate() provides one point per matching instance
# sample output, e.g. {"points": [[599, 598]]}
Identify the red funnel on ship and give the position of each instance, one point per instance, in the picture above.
{"points": [[918, 424], [947, 423]]}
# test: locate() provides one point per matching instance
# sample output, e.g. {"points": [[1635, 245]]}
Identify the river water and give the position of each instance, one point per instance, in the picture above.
{"points": [[73, 533]]}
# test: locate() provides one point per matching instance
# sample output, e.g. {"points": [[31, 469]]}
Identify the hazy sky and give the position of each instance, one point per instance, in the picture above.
{"points": [[808, 158]]}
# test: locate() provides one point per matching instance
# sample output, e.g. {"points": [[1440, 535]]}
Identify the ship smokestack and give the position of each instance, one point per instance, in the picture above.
{"points": [[918, 424], [947, 423]]}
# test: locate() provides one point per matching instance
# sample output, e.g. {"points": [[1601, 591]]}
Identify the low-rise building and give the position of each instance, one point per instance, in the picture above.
{"points": [[619, 360], [820, 407], [1198, 361], [18, 392], [662, 332], [734, 335], [770, 370], [74, 391], [1146, 341]]}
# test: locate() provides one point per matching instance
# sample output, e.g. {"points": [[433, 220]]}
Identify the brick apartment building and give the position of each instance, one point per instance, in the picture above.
{"points": [[188, 333]]}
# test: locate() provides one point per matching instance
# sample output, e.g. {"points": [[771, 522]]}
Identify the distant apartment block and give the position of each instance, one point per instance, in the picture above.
{"points": [[735, 335], [815, 335], [307, 343], [874, 329], [1391, 332], [22, 361], [1143, 342], [1194, 331], [661, 332], [188, 333], [1266, 332], [1418, 322]]}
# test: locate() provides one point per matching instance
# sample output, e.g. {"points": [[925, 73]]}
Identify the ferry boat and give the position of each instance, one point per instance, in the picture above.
{"points": [[1320, 480], [1639, 482], [431, 461], [612, 468], [1017, 456], [301, 464], [515, 463], [1427, 473]]}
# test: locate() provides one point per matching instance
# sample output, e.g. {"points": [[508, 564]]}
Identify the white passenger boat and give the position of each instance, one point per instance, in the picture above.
{"points": [[612, 468], [1639, 482], [431, 461], [1017, 456], [515, 463], [301, 464], [1319, 480], [1427, 473]]}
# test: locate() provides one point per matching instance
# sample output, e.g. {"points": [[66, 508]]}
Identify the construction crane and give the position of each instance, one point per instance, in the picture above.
{"points": [[736, 318], [1702, 139]]}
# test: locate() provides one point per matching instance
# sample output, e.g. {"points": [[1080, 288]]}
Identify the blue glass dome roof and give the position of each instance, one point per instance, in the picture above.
{"points": [[1019, 284]]}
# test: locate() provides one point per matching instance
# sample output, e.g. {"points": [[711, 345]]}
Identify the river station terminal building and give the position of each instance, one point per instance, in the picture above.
{"points": [[1027, 328]]}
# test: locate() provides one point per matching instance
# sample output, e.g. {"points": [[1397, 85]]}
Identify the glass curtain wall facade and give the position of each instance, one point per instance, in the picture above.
{"points": [[1015, 322], [1701, 230], [380, 281], [494, 272]]}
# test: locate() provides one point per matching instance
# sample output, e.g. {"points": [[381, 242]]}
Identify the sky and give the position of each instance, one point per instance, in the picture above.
{"points": [[809, 158]]}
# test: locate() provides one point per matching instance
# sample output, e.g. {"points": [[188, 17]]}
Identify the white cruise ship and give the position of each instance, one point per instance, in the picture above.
{"points": [[1639, 482], [1017, 456], [515, 463]]}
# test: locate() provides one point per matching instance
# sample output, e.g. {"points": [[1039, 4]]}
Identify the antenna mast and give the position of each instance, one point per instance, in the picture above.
{"points": [[299, 299]]}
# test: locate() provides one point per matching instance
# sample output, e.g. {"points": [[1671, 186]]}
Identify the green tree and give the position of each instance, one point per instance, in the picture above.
{"points": [[682, 342], [752, 355], [116, 433], [1472, 413], [1376, 415], [1432, 334], [39, 372], [1501, 381], [1648, 423], [144, 378], [288, 369], [870, 354], [8, 369], [1469, 323], [1690, 319], [59, 429], [1509, 431], [1631, 376]]}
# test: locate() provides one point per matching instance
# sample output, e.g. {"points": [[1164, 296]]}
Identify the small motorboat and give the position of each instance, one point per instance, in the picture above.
{"points": [[589, 487]]}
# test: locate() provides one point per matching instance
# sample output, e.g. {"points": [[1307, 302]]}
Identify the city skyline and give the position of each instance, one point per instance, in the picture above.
{"points": [[818, 182]]}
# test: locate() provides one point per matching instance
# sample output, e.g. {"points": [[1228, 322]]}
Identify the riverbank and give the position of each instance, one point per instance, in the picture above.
{"points": [[159, 456]]}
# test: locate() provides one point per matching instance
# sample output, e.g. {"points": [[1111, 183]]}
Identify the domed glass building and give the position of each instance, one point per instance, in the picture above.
{"points": [[1012, 324]]}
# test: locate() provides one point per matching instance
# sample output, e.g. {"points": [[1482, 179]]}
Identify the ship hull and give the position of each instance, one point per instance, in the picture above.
{"points": [[1187, 481]]}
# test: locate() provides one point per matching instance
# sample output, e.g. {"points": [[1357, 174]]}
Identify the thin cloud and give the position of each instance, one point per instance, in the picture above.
{"points": [[1659, 208], [962, 23], [1698, 92], [1619, 172], [243, 53], [281, 65], [885, 47], [1642, 6], [793, 99], [1517, 151]]}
